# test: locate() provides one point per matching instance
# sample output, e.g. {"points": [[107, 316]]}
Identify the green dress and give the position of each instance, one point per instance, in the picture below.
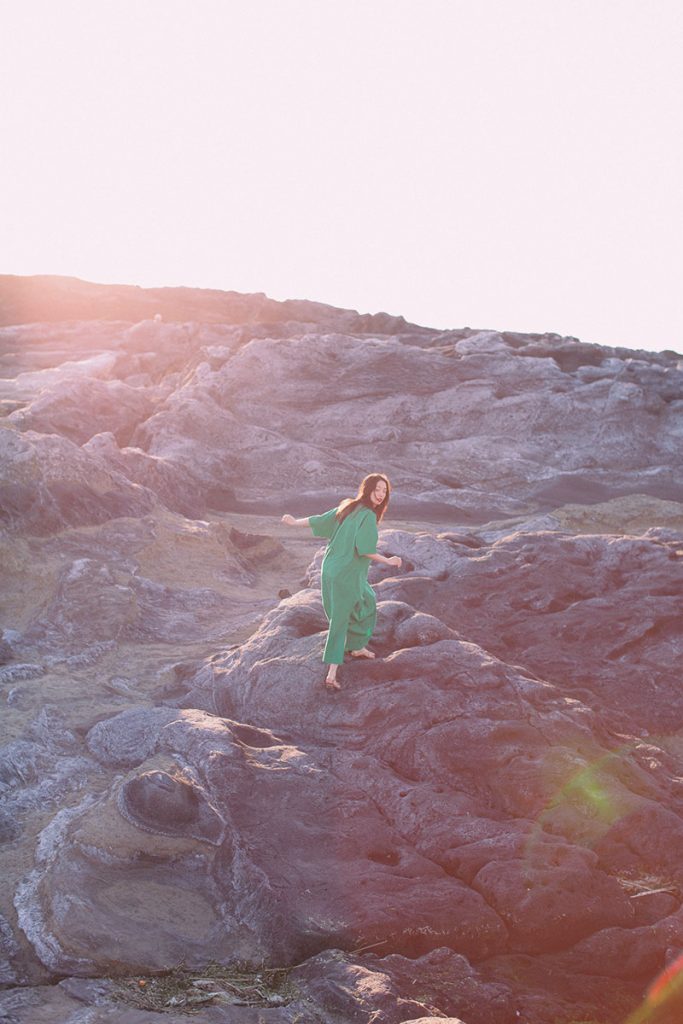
{"points": [[348, 599]]}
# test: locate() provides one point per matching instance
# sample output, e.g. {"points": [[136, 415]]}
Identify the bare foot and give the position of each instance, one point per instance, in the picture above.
{"points": [[331, 682], [363, 653]]}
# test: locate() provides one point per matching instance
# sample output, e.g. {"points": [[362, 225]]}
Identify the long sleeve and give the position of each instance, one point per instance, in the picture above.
{"points": [[366, 535], [325, 524]]}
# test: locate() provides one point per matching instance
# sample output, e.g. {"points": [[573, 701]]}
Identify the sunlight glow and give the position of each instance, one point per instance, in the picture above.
{"points": [[510, 166]]}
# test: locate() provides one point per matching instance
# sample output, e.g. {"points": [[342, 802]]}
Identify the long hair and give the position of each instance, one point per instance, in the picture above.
{"points": [[366, 488]]}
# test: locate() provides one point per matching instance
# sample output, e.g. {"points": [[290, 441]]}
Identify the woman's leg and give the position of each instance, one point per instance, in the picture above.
{"points": [[334, 645], [361, 624], [333, 655]]}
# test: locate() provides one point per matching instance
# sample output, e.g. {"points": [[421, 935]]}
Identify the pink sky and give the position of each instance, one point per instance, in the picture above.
{"points": [[492, 164]]}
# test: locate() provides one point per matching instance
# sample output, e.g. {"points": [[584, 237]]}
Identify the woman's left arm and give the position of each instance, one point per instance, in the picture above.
{"points": [[394, 560], [366, 541]]}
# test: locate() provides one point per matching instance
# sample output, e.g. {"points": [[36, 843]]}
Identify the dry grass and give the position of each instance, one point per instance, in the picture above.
{"points": [[639, 884], [188, 991]]}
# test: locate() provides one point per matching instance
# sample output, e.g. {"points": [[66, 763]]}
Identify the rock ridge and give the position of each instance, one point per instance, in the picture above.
{"points": [[486, 824]]}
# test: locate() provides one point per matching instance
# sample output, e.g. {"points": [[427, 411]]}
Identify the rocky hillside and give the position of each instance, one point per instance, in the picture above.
{"points": [[486, 824]]}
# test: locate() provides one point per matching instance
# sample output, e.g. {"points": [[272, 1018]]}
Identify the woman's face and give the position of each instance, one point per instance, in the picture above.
{"points": [[379, 494]]}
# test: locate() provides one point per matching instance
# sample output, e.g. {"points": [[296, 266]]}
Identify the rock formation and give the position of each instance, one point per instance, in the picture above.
{"points": [[486, 824]]}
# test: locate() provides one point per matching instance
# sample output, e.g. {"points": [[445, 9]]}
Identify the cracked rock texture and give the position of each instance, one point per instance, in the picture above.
{"points": [[486, 824]]}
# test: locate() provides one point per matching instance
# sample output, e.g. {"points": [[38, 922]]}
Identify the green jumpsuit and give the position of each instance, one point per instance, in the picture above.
{"points": [[348, 599]]}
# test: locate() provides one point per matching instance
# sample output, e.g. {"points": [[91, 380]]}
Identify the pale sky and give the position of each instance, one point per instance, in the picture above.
{"points": [[507, 164]]}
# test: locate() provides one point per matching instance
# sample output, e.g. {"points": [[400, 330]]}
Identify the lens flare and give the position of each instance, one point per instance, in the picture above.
{"points": [[587, 801], [664, 994]]}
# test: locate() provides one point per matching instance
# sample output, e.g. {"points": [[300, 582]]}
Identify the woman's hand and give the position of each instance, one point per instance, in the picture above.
{"points": [[394, 560], [288, 520]]}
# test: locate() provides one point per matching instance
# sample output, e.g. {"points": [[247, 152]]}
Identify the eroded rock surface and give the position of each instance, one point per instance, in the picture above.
{"points": [[486, 823], [287, 403]]}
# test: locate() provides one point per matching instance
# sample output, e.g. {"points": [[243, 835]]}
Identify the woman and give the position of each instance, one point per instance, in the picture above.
{"points": [[348, 599]]}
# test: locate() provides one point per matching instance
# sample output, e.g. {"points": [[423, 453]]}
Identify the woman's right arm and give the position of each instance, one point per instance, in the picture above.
{"points": [[291, 521]]}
